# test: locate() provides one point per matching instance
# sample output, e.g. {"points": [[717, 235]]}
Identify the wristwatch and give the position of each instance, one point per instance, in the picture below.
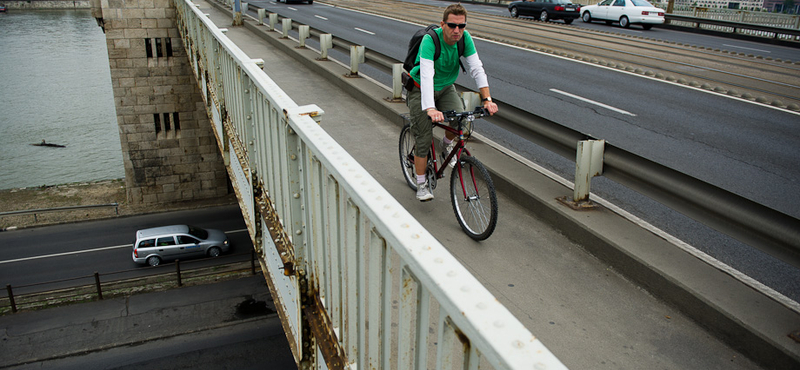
{"points": [[486, 99]]}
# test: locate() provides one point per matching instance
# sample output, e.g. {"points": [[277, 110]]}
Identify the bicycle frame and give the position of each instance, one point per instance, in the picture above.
{"points": [[460, 144]]}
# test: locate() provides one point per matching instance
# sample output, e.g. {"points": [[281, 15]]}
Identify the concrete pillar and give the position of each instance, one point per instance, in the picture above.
{"points": [[169, 149]]}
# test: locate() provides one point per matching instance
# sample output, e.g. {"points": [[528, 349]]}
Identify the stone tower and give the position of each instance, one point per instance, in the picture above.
{"points": [[168, 147]]}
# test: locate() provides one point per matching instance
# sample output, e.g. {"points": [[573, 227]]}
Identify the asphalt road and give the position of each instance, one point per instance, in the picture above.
{"points": [[36, 255], [736, 145], [226, 325]]}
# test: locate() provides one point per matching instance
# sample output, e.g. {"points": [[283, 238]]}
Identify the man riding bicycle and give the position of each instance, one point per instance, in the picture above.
{"points": [[434, 91]]}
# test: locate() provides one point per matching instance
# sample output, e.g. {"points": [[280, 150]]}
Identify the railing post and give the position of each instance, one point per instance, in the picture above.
{"points": [[356, 57], [273, 18], [178, 271], [261, 14], [397, 81], [97, 283], [588, 164], [287, 26], [303, 33], [11, 298], [253, 261], [325, 43]]}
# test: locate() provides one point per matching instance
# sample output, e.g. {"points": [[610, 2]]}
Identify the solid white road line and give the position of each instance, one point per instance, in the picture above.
{"points": [[89, 250], [67, 253]]}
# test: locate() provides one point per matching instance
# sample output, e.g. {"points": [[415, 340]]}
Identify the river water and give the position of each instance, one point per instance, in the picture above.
{"points": [[55, 85]]}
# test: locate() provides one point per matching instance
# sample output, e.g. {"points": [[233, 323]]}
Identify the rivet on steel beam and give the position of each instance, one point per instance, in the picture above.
{"points": [[293, 157], [299, 232], [296, 195]]}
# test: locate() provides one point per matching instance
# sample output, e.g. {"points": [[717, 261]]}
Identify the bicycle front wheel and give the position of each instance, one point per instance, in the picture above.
{"points": [[474, 198], [407, 151]]}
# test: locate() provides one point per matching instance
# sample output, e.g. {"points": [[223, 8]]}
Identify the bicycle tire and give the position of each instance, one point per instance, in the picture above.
{"points": [[477, 211], [407, 147]]}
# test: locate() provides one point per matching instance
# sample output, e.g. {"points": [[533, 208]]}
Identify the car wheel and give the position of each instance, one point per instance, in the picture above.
{"points": [[624, 22], [213, 252], [587, 18], [543, 16], [153, 261], [514, 12], [568, 21], [647, 26]]}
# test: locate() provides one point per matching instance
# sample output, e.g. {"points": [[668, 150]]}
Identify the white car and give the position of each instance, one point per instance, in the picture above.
{"points": [[626, 12]]}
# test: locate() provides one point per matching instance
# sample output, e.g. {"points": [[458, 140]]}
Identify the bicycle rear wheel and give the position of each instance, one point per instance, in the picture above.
{"points": [[474, 198], [407, 151]]}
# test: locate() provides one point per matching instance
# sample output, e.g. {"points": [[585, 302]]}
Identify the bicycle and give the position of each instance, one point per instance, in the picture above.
{"points": [[472, 191]]}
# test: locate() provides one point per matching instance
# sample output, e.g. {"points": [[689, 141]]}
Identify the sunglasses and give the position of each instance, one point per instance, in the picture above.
{"points": [[454, 25]]}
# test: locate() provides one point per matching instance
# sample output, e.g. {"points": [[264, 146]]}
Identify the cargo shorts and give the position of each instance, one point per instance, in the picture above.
{"points": [[422, 127]]}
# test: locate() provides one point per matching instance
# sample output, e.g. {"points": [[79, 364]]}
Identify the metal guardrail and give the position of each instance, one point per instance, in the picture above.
{"points": [[337, 247], [759, 226], [737, 27], [55, 292]]}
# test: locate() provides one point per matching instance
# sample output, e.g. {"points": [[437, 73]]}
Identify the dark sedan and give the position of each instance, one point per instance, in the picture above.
{"points": [[546, 10]]}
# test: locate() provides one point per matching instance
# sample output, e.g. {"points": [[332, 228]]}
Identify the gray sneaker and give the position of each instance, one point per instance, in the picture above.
{"points": [[447, 149], [424, 193]]}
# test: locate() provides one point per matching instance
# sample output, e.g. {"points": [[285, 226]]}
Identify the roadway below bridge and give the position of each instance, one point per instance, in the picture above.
{"points": [[598, 289]]}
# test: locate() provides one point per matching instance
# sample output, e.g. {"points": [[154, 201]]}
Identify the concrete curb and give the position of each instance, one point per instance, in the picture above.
{"points": [[745, 319]]}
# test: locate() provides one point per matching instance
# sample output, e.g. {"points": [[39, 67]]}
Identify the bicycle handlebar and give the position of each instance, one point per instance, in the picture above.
{"points": [[453, 116]]}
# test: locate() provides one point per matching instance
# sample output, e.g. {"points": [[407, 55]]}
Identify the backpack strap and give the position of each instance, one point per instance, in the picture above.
{"points": [[462, 45], [436, 44]]}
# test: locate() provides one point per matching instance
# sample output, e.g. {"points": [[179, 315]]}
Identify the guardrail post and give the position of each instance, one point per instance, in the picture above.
{"points": [[303, 33], [397, 82], [588, 164], [287, 25], [356, 57], [245, 6], [11, 298], [325, 43], [471, 99], [253, 261], [178, 271], [273, 18], [261, 14], [97, 283]]}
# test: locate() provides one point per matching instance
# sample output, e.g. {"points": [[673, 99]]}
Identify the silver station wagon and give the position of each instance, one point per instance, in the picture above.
{"points": [[168, 243]]}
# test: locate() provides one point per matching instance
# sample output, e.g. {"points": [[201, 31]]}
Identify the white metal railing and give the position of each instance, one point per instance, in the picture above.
{"points": [[355, 248]]}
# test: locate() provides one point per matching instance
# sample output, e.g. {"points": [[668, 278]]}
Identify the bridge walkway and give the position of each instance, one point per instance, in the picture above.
{"points": [[585, 311]]}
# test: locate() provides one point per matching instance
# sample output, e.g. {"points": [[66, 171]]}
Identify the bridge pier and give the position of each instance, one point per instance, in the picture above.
{"points": [[169, 149]]}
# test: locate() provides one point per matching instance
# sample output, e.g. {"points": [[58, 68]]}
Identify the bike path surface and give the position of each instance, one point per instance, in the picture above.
{"points": [[558, 271]]}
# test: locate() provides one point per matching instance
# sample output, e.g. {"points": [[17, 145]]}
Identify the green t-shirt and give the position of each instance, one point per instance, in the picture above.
{"points": [[446, 67]]}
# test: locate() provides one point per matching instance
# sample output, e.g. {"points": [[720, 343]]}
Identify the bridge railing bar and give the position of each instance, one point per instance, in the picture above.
{"points": [[336, 229], [759, 226]]}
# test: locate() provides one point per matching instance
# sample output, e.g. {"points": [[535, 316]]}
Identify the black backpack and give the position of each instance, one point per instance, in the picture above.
{"points": [[416, 40]]}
